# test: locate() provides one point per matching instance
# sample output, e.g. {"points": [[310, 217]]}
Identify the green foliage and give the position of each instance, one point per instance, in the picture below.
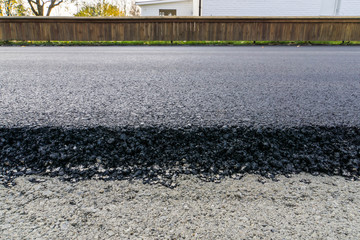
{"points": [[13, 8], [101, 9], [157, 43]]}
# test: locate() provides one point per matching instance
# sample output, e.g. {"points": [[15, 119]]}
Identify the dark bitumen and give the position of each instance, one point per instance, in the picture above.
{"points": [[156, 112]]}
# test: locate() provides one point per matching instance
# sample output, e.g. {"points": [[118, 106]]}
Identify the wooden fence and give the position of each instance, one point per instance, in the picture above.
{"points": [[181, 29]]}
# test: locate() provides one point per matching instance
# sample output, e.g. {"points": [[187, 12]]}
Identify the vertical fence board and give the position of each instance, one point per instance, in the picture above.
{"points": [[2, 31], [354, 32], [12, 30], [175, 31], [31, 32]]}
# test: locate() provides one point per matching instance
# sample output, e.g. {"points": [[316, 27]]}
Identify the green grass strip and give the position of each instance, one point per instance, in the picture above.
{"points": [[171, 43]]}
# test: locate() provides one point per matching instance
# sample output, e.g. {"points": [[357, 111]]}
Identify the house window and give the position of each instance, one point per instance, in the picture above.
{"points": [[167, 12]]}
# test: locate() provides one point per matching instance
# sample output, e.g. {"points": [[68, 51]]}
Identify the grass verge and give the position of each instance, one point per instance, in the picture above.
{"points": [[173, 43]]}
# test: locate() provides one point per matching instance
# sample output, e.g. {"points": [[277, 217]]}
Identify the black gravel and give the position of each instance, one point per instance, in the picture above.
{"points": [[153, 113], [158, 155]]}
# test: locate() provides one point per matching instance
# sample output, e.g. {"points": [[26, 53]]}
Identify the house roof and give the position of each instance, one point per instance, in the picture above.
{"points": [[149, 2]]}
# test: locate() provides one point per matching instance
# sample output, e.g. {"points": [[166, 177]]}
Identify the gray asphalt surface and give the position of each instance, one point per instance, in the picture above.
{"points": [[177, 86]]}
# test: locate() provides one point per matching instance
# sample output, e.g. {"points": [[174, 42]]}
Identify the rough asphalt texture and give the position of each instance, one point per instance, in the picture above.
{"points": [[302, 207], [176, 86], [184, 117], [154, 113]]}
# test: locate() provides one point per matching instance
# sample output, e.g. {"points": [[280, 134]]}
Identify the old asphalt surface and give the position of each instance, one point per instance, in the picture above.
{"points": [[153, 113]]}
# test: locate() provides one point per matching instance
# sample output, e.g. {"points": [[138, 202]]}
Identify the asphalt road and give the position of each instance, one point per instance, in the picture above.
{"points": [[177, 86]]}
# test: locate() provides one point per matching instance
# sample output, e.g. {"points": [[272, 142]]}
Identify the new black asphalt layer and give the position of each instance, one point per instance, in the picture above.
{"points": [[157, 112], [179, 86]]}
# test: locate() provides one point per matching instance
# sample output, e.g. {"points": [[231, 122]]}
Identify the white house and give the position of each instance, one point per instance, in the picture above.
{"points": [[249, 7], [167, 7]]}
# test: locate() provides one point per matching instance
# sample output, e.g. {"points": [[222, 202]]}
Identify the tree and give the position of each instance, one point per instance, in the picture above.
{"points": [[101, 9], [39, 7], [108, 8], [130, 9], [134, 9], [12, 8]]}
